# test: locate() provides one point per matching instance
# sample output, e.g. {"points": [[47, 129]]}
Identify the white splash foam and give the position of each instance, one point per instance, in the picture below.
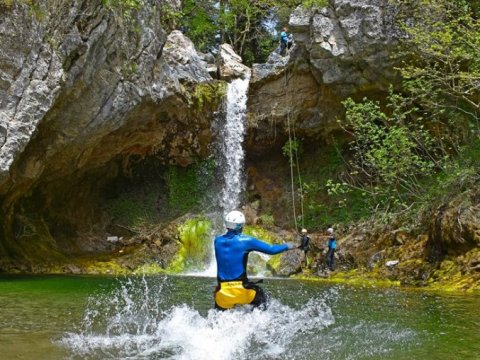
{"points": [[120, 327]]}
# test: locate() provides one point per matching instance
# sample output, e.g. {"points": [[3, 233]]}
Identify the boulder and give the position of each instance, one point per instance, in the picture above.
{"points": [[230, 64], [290, 263]]}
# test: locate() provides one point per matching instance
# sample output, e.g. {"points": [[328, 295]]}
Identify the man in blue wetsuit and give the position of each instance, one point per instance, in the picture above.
{"points": [[231, 253]]}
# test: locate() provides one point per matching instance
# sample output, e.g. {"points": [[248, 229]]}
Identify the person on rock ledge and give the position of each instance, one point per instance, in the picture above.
{"points": [[331, 247], [231, 253], [286, 41], [304, 244]]}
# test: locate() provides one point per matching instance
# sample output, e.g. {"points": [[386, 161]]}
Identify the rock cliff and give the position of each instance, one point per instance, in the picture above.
{"points": [[342, 50], [84, 87]]}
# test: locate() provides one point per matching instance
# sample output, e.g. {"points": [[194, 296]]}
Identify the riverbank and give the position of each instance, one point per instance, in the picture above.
{"points": [[114, 267], [362, 278]]}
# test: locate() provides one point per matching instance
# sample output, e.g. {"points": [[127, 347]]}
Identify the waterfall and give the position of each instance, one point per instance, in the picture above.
{"points": [[230, 133], [231, 153]]}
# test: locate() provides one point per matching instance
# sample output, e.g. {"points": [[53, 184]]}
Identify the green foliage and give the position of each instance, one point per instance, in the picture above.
{"points": [[198, 21], [391, 152], [195, 238], [7, 3], [261, 234], [267, 220], [209, 94], [402, 154], [314, 3], [136, 207], [129, 69], [123, 4], [126, 8], [291, 150], [244, 24], [459, 174], [183, 190], [320, 208], [441, 67], [187, 186], [169, 16]]}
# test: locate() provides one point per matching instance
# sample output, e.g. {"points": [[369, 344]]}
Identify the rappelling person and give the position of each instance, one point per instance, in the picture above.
{"points": [[286, 41], [231, 253], [304, 244]]}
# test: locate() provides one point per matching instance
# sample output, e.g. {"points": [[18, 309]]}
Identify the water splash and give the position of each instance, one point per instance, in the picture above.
{"points": [[134, 322]]}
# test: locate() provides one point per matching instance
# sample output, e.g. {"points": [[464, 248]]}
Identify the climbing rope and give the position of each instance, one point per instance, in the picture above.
{"points": [[292, 139], [300, 183]]}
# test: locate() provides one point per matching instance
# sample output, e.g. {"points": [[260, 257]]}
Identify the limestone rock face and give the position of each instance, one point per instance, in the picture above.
{"points": [[84, 87], [341, 50], [76, 91], [230, 64], [348, 43]]}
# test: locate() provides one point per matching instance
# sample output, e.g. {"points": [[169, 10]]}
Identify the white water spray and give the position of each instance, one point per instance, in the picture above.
{"points": [[136, 321]]}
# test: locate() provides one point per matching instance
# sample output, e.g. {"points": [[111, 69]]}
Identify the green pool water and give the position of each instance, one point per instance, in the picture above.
{"points": [[60, 317]]}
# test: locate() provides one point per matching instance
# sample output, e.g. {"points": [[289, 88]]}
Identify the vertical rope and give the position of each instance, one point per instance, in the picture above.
{"points": [[300, 183], [291, 170], [290, 150], [290, 153]]}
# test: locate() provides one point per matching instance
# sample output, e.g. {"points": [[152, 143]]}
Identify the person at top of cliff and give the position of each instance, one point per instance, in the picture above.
{"points": [[231, 253], [286, 41], [332, 246]]}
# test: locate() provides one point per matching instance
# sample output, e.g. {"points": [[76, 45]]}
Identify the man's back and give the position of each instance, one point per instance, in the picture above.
{"points": [[231, 252]]}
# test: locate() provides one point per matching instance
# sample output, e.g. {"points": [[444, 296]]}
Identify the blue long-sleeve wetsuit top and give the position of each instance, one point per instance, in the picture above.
{"points": [[332, 243], [283, 36], [231, 252]]}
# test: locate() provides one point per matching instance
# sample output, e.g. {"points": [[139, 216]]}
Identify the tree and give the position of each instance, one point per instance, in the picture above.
{"points": [[247, 25], [442, 67]]}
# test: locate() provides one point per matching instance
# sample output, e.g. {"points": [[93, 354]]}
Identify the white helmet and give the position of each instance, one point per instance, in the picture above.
{"points": [[304, 231], [330, 231], [234, 220]]}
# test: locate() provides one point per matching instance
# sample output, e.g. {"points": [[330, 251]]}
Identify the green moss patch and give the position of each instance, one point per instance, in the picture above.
{"points": [[195, 240]]}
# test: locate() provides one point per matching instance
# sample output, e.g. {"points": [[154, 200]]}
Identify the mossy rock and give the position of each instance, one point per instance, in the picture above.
{"points": [[287, 263], [195, 237], [209, 94]]}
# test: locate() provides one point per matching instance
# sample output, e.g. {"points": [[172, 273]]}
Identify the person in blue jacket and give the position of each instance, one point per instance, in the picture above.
{"points": [[332, 246], [284, 41], [231, 253]]}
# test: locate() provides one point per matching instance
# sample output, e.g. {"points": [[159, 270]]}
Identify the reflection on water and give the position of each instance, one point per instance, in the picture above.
{"points": [[171, 318]]}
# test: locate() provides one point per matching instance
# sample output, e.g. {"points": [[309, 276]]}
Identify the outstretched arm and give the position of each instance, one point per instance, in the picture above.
{"points": [[257, 245]]}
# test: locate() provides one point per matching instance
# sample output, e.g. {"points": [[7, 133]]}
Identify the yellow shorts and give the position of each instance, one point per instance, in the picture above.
{"points": [[233, 293]]}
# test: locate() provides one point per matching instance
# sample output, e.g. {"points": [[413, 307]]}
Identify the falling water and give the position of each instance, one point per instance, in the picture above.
{"points": [[231, 153], [229, 156]]}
